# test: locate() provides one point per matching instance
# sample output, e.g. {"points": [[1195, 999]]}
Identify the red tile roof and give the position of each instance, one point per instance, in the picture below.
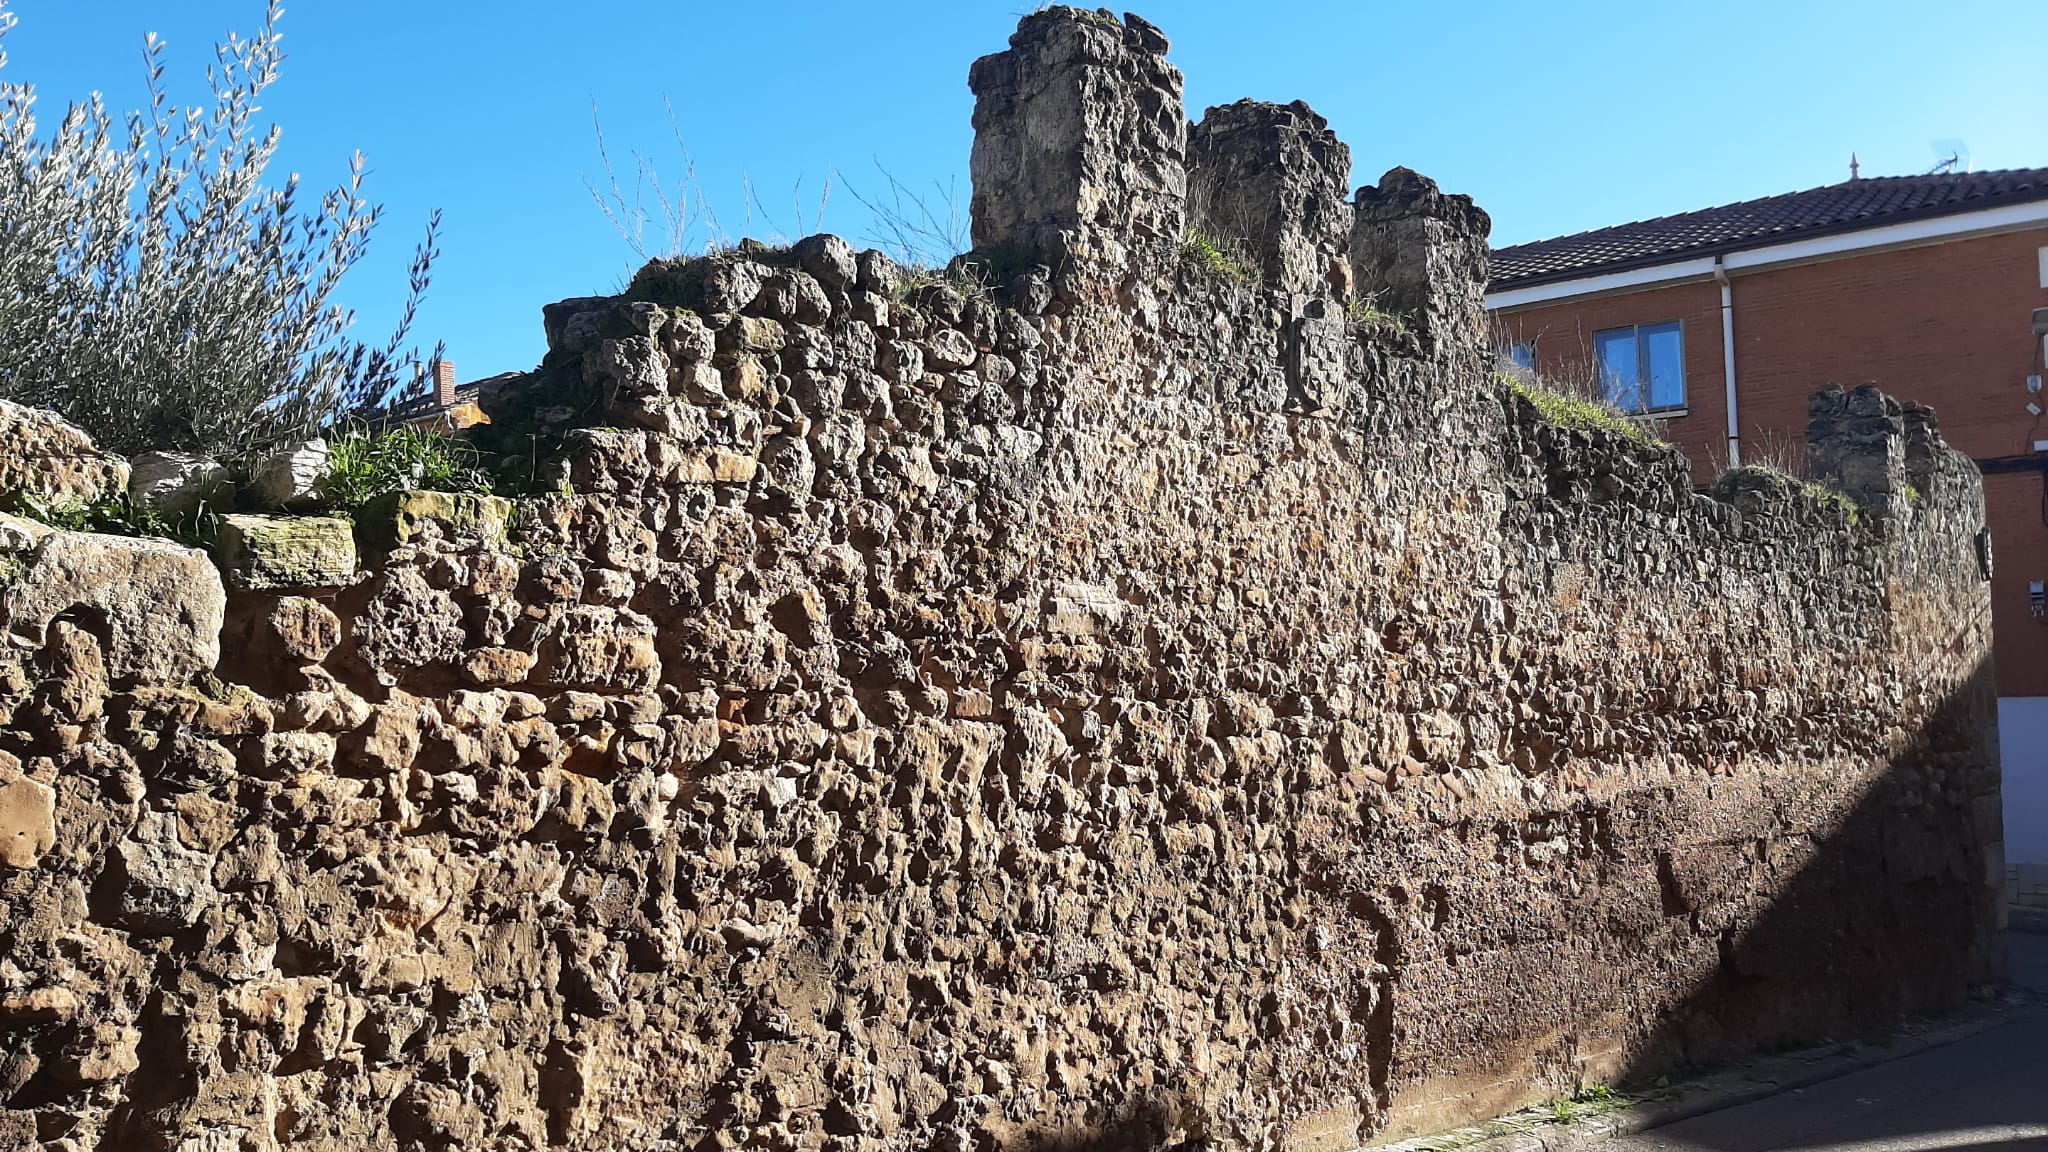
{"points": [[1846, 207]]}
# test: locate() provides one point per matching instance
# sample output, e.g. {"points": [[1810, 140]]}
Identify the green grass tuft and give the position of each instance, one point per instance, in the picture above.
{"points": [[1365, 309], [1568, 411], [1589, 1102], [366, 463], [1217, 255], [121, 516]]}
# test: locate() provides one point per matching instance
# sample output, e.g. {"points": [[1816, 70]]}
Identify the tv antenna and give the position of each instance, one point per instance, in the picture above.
{"points": [[1954, 154]]}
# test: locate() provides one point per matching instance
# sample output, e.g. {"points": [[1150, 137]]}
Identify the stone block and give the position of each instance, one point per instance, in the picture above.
{"points": [[165, 885], [263, 552], [178, 483], [48, 460], [290, 477], [1421, 254], [1080, 140], [1273, 178], [829, 259], [465, 518], [1856, 443], [28, 822], [714, 466], [157, 606]]}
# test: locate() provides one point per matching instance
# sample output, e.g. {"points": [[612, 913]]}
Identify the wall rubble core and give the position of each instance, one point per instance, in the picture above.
{"points": [[1134, 704]]}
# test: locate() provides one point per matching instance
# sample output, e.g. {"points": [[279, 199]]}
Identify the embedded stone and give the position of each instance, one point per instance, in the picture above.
{"points": [[949, 351], [261, 552], [47, 460], [715, 466], [828, 258], [290, 477], [463, 518], [160, 604], [599, 649], [497, 667], [28, 822], [878, 274], [565, 326], [38, 1006], [165, 885], [179, 483], [305, 629], [756, 334]]}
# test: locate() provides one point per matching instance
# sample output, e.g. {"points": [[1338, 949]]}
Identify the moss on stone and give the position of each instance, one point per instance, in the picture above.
{"points": [[395, 519], [270, 552]]}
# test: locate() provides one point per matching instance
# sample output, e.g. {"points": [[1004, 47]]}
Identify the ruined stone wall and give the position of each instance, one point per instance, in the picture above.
{"points": [[1135, 702]]}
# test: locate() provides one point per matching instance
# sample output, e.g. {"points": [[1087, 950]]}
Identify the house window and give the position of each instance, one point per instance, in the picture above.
{"points": [[1522, 355], [1642, 367]]}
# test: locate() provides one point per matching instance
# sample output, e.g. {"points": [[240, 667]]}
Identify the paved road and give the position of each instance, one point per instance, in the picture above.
{"points": [[1988, 1093], [2026, 959]]}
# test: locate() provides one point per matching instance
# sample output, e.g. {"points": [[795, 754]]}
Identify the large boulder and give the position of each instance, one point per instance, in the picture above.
{"points": [[47, 460], [155, 606], [177, 483]]}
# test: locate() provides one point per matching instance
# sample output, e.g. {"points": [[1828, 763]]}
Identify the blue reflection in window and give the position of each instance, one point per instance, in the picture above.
{"points": [[1616, 349], [1663, 364], [1642, 367]]}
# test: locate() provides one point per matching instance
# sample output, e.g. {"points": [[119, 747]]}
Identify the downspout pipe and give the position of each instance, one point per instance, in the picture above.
{"points": [[1728, 360]]}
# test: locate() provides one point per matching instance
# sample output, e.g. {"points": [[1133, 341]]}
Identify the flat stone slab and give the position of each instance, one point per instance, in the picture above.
{"points": [[269, 552]]}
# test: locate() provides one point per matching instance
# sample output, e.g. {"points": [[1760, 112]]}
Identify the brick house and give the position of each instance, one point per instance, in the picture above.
{"points": [[1720, 323]]}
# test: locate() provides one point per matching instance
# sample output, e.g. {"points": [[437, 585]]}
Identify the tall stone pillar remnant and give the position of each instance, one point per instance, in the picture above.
{"points": [[1271, 178], [1080, 142], [1421, 254], [1856, 443]]}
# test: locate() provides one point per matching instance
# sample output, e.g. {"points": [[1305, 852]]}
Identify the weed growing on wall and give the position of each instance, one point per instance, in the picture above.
{"points": [[1569, 411], [365, 463], [121, 516], [1217, 255]]}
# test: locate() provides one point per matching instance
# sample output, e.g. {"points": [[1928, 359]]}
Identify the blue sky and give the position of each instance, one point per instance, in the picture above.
{"points": [[1557, 117]]}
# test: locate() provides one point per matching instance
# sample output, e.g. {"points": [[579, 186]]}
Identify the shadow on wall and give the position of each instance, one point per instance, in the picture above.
{"points": [[1822, 960]]}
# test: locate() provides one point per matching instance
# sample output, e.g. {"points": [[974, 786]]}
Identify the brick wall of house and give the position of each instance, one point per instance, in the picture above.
{"points": [[1945, 324], [1562, 335]]}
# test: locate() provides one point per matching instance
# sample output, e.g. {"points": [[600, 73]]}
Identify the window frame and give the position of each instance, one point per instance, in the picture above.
{"points": [[1642, 377]]}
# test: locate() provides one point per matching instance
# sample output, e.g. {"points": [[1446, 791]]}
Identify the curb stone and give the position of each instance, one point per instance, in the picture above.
{"points": [[1532, 1131]]}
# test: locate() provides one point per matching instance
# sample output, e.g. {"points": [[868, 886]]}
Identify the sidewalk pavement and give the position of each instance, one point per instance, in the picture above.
{"points": [[1985, 1093], [1976, 1082]]}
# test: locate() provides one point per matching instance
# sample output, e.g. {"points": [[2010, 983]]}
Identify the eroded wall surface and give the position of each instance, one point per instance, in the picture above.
{"points": [[1144, 699]]}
